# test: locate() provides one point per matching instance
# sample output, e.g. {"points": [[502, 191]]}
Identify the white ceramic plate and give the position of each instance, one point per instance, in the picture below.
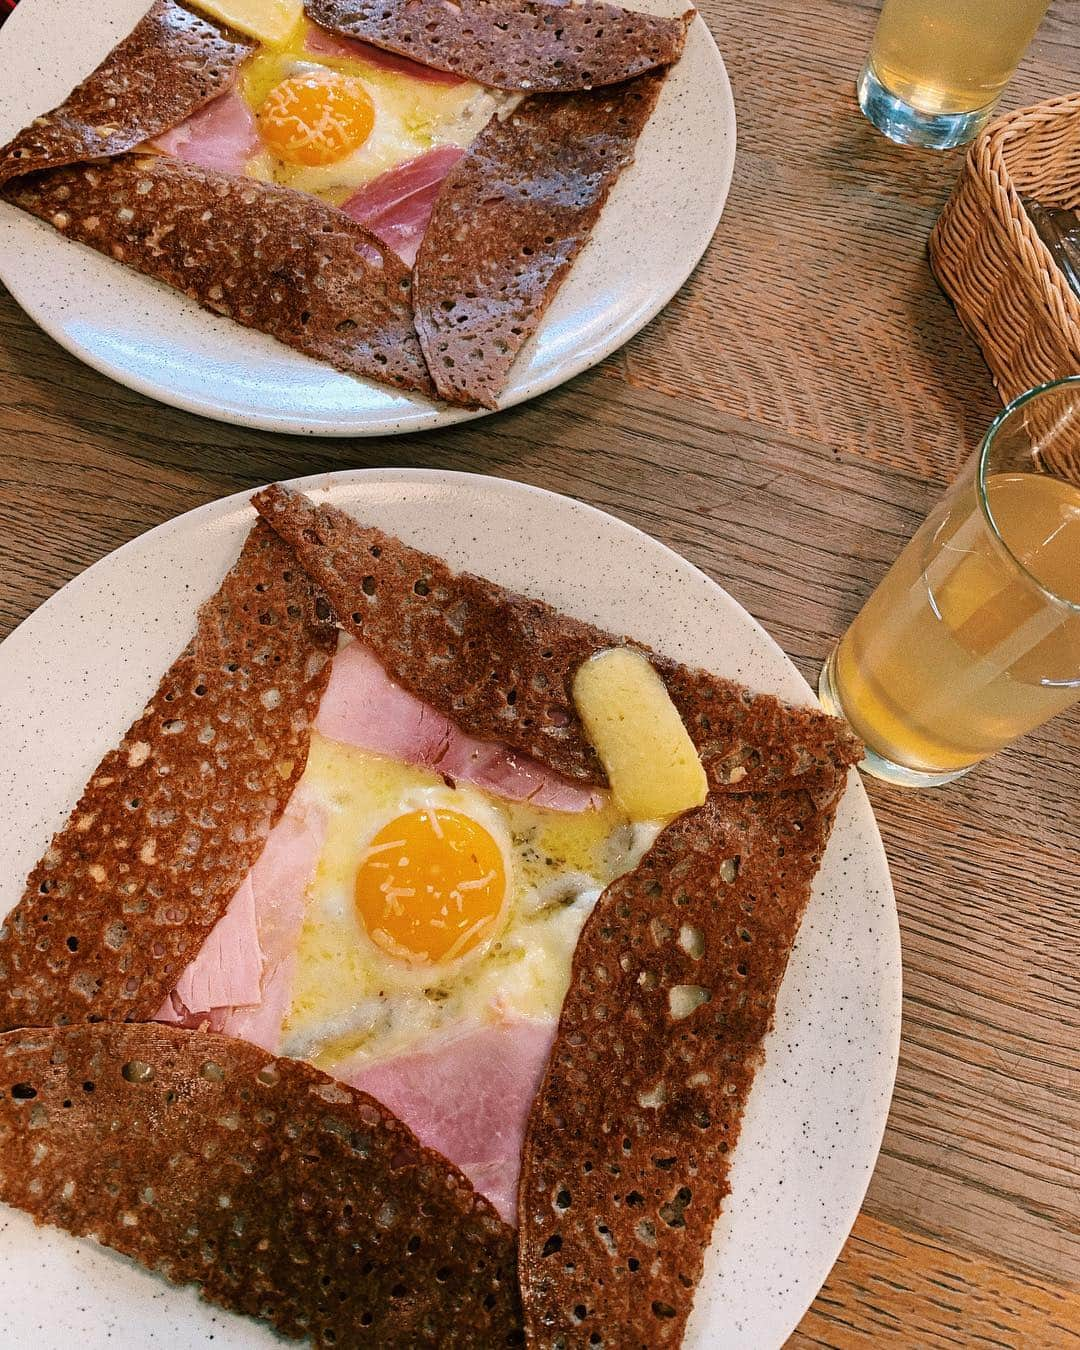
{"points": [[77, 672], [656, 225]]}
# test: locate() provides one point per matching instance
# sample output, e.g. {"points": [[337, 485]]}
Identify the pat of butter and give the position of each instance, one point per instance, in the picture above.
{"points": [[269, 21], [650, 760]]}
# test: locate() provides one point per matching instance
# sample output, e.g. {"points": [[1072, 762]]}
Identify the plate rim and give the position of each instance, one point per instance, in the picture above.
{"points": [[224, 510], [422, 414]]}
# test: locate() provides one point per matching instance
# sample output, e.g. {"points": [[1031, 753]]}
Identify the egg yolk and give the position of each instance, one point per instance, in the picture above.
{"points": [[430, 886], [316, 119]]}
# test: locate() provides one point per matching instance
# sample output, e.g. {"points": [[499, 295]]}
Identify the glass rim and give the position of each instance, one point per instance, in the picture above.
{"points": [[1021, 401]]}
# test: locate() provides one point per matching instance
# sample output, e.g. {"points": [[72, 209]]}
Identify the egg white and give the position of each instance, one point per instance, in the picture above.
{"points": [[411, 117], [351, 1001]]}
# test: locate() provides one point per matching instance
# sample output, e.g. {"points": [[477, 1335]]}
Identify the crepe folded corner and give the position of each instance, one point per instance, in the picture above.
{"points": [[534, 46], [173, 818], [281, 1192], [501, 665], [673, 989], [321, 284], [170, 65], [512, 216]]}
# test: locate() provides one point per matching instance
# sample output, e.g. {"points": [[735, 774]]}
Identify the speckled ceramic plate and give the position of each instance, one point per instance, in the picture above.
{"points": [[74, 675], [655, 227]]}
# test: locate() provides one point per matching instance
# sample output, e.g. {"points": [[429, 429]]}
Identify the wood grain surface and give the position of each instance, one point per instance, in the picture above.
{"points": [[784, 424]]}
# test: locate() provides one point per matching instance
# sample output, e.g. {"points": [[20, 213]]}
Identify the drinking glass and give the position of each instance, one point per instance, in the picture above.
{"points": [[937, 67], [973, 636]]}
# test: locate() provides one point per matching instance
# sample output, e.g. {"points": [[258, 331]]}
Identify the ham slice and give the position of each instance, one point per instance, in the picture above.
{"points": [[221, 136], [228, 969], [321, 42], [469, 1098], [241, 981], [397, 206], [362, 706]]}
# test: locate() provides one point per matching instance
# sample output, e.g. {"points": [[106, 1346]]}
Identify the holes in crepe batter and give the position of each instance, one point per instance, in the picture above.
{"points": [[662, 1310], [652, 1098], [367, 585], [73, 944], [137, 1071], [88, 1086], [672, 1211], [562, 1198], [645, 1231], [23, 1092], [552, 1245], [659, 931], [366, 1319], [684, 999], [421, 587]]}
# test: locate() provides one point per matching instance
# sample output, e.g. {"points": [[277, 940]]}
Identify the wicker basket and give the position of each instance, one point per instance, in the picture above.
{"points": [[984, 249]]}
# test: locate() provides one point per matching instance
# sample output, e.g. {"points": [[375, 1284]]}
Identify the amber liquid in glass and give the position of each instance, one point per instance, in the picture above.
{"points": [[952, 56], [957, 652]]}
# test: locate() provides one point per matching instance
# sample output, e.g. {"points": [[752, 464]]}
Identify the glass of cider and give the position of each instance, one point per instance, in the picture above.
{"points": [[937, 67], [973, 636]]}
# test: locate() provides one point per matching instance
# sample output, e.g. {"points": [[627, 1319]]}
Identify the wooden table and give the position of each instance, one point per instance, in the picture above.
{"points": [[784, 424]]}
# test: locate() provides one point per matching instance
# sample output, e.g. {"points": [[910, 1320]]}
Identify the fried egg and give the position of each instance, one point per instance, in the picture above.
{"points": [[433, 905], [331, 122]]}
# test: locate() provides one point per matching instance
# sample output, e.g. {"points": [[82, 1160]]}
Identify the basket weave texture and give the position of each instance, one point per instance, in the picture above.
{"points": [[1003, 280]]}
